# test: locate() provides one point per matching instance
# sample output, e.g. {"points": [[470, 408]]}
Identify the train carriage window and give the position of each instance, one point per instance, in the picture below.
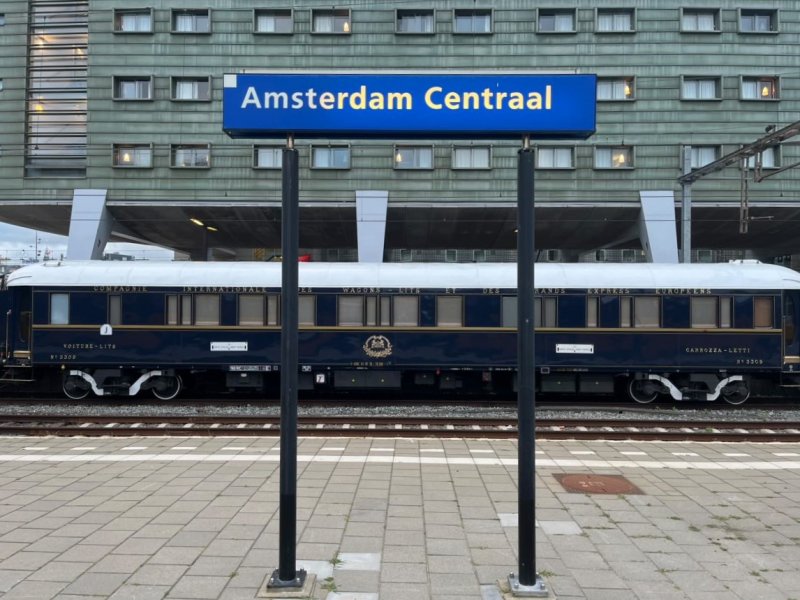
{"points": [[592, 311], [186, 310], [206, 309], [406, 311], [510, 311], [172, 310], [386, 311], [350, 311], [646, 311], [762, 312], [449, 311], [273, 309], [59, 309], [725, 311], [545, 312], [704, 312], [115, 310], [251, 310], [306, 310], [625, 312], [372, 311]]}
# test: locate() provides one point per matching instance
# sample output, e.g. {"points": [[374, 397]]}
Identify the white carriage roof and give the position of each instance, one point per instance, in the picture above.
{"points": [[739, 275]]}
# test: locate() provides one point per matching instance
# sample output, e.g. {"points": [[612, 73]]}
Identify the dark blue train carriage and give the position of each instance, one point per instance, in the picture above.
{"points": [[685, 331]]}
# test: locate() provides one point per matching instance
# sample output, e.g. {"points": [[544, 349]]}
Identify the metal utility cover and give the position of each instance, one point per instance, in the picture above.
{"points": [[588, 483]]}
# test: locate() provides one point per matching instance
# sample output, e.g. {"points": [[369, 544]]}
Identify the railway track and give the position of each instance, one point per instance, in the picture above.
{"points": [[352, 426]]}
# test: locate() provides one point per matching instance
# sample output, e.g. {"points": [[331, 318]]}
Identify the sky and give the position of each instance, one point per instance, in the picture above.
{"points": [[18, 244]]}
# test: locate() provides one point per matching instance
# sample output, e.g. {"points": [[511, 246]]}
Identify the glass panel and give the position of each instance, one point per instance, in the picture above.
{"points": [[407, 157], [272, 309], [646, 311], [133, 156], [186, 310], [449, 311], [269, 158], [115, 310], [306, 308], [471, 158], [704, 312], [725, 311], [331, 158], [251, 309], [625, 311], [206, 309], [277, 21], [406, 311], [762, 308], [386, 311], [172, 310], [509, 311], [592, 303], [415, 22], [351, 311], [555, 158], [59, 309], [549, 317], [372, 311]]}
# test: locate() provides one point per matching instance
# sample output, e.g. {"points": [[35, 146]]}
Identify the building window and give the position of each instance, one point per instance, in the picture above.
{"points": [[472, 157], [191, 21], [556, 21], [415, 21], [191, 156], [191, 89], [267, 157], [133, 155], [59, 309], [700, 20], [274, 21], [330, 157], [613, 157], [413, 157], [616, 20], [615, 88], [760, 88], [133, 20], [472, 21], [2, 19], [770, 159], [701, 88], [555, 157], [330, 21], [704, 155], [133, 88], [1, 85], [758, 21]]}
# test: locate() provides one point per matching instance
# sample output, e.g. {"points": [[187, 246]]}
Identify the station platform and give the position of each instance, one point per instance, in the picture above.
{"points": [[396, 519]]}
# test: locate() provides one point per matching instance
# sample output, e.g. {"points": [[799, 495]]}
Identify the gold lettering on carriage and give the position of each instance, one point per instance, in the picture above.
{"points": [[683, 291], [377, 346]]}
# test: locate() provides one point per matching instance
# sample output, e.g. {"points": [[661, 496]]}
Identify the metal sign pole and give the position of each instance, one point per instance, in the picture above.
{"points": [[286, 575], [528, 584]]}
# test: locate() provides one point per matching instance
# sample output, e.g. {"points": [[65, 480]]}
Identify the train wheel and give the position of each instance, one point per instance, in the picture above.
{"points": [[736, 393], [167, 387], [75, 388], [642, 391]]}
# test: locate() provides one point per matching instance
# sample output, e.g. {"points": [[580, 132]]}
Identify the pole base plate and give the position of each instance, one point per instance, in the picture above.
{"points": [[514, 589], [302, 586]]}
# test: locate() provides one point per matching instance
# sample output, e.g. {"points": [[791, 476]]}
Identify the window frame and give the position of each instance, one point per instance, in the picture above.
{"points": [[194, 12], [776, 159], [473, 12], [554, 148], [331, 147], [257, 12], [715, 12], [398, 148], [471, 147], [117, 80], [174, 147], [412, 12], [120, 12], [774, 20], [717, 154], [625, 80], [773, 81], [117, 148], [612, 147], [553, 12], [176, 79], [257, 147], [347, 27], [717, 88], [598, 12]]}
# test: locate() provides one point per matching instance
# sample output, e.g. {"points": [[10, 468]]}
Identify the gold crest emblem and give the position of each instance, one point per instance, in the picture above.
{"points": [[377, 346]]}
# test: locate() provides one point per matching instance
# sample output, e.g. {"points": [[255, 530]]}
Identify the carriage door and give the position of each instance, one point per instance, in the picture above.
{"points": [[791, 340], [20, 325]]}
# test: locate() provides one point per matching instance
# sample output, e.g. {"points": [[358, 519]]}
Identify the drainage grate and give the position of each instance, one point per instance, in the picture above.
{"points": [[587, 483]]}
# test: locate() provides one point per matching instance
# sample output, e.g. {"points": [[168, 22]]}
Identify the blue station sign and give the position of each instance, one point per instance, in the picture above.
{"points": [[409, 105]]}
